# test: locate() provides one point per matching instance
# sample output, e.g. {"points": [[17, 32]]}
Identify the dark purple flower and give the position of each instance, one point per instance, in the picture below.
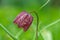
{"points": [[23, 20]]}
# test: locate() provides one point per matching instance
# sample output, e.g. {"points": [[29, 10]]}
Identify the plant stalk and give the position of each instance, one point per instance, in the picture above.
{"points": [[12, 36], [37, 23]]}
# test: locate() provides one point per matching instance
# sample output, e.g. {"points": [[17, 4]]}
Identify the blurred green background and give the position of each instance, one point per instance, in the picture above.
{"points": [[48, 15]]}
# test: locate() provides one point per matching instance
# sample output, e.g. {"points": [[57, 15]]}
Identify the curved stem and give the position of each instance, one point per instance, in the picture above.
{"points": [[8, 32], [38, 17], [37, 24]]}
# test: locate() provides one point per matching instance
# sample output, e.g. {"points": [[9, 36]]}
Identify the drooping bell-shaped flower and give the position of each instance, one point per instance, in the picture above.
{"points": [[23, 20]]}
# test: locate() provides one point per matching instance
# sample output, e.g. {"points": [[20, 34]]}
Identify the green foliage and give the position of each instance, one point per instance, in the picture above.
{"points": [[9, 9]]}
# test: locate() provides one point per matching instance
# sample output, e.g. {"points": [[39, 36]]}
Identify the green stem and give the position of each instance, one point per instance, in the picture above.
{"points": [[8, 32], [44, 5], [37, 24], [38, 17]]}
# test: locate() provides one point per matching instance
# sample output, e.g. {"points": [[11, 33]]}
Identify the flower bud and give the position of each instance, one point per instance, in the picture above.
{"points": [[23, 20]]}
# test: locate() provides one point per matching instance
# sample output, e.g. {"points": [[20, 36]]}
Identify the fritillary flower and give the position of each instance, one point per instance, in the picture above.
{"points": [[23, 20]]}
